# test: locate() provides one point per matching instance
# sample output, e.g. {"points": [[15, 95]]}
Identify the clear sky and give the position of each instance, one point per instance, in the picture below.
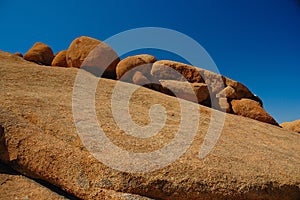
{"points": [[256, 42]]}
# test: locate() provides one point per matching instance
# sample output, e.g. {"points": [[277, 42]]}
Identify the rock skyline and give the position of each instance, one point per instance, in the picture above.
{"points": [[99, 58]]}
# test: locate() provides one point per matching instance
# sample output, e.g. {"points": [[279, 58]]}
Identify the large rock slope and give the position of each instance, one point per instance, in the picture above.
{"points": [[251, 160]]}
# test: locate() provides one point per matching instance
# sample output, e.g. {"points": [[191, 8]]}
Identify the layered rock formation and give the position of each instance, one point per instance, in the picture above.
{"points": [[251, 160]]}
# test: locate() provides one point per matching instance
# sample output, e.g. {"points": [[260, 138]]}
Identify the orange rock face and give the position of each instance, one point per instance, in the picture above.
{"points": [[18, 54], [251, 109], [227, 92], [79, 50], [16, 186], [195, 92], [96, 56], [164, 70], [241, 90], [60, 59], [251, 160], [292, 126], [127, 67], [39, 53]]}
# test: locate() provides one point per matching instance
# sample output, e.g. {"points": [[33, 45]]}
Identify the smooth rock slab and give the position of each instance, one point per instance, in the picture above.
{"points": [[251, 160]]}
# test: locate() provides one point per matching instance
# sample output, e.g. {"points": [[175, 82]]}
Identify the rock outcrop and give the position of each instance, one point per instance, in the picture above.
{"points": [[228, 92], [292, 126], [195, 92], [19, 54], [170, 70], [222, 90], [100, 58], [251, 160], [79, 49], [213, 80], [127, 67], [60, 59], [39, 53], [252, 109], [241, 90], [140, 79]]}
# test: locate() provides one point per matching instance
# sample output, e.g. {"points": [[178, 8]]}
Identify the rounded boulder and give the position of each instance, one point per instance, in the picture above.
{"points": [[127, 67], [94, 55], [60, 59], [251, 109], [39, 53]]}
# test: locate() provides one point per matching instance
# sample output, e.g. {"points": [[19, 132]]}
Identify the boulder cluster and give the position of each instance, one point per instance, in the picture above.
{"points": [[169, 77]]}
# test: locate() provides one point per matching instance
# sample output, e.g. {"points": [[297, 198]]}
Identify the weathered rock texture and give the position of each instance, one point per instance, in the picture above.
{"points": [[39, 53], [79, 50], [127, 67], [60, 59], [140, 79], [292, 126], [166, 70], [195, 92], [222, 90], [251, 160], [94, 54], [16, 186], [101, 60], [252, 109]]}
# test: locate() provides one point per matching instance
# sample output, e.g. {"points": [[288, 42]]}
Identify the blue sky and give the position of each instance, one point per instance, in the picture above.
{"points": [[256, 42]]}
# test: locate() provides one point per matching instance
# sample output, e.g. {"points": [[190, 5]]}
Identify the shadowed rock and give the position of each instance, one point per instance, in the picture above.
{"points": [[15, 186], [127, 67], [18, 54], [39, 53], [60, 59], [139, 79], [194, 92]]}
